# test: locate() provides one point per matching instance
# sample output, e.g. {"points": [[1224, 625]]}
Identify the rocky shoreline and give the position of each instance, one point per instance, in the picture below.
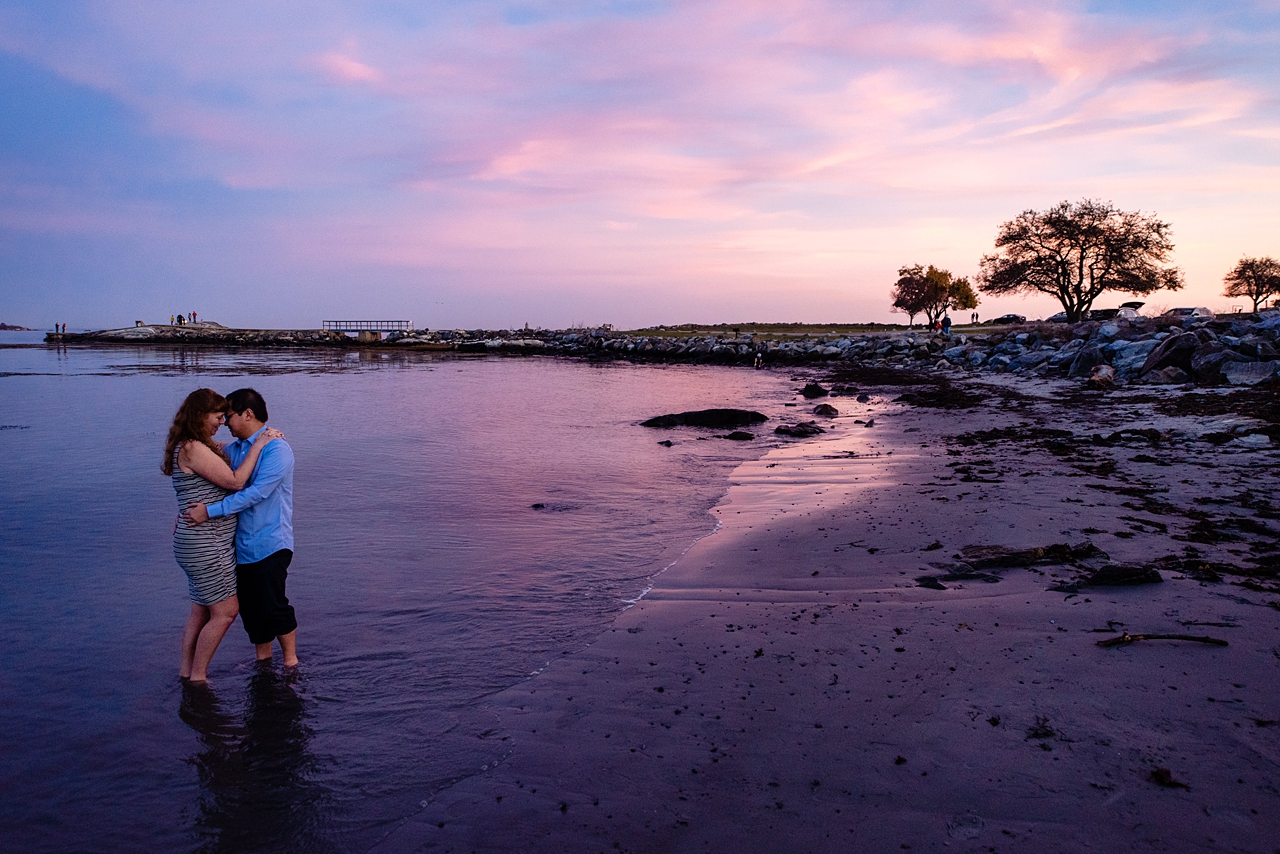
{"points": [[1242, 349]]}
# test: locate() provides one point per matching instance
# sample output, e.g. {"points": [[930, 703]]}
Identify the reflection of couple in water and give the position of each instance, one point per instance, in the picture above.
{"points": [[255, 773], [234, 536]]}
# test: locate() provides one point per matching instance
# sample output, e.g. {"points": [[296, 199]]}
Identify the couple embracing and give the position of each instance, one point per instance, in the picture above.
{"points": [[234, 536]]}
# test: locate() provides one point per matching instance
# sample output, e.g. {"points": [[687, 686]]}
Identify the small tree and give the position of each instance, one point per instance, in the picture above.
{"points": [[1255, 278], [1076, 252], [930, 292], [911, 292]]}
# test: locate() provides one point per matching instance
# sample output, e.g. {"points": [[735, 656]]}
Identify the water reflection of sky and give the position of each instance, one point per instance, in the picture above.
{"points": [[424, 579]]}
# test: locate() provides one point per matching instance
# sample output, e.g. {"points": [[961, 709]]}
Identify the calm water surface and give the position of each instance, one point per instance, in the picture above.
{"points": [[424, 580]]}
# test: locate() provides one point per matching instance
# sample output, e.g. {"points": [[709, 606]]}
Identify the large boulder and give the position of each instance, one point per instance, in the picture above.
{"points": [[717, 418], [1248, 373], [1129, 356], [1066, 353], [1174, 351], [1208, 361], [1088, 358]]}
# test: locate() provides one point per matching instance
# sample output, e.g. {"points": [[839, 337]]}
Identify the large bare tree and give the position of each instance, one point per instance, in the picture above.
{"points": [[1076, 252], [1255, 278]]}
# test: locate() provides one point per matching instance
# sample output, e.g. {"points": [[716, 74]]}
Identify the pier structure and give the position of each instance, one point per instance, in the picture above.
{"points": [[368, 330]]}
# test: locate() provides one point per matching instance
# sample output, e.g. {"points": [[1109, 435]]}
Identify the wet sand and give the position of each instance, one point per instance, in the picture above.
{"points": [[789, 684]]}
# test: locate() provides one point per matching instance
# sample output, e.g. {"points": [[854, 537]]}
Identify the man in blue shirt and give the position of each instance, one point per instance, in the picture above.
{"points": [[264, 535]]}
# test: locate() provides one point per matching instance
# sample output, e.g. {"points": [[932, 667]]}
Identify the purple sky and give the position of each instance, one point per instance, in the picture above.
{"points": [[489, 164]]}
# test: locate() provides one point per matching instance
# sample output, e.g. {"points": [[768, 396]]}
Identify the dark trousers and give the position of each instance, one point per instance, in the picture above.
{"points": [[264, 608]]}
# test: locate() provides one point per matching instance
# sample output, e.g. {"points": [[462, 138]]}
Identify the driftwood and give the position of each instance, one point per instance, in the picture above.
{"points": [[1128, 638]]}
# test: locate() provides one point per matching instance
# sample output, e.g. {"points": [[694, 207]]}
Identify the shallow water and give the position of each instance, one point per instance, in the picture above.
{"points": [[424, 579]]}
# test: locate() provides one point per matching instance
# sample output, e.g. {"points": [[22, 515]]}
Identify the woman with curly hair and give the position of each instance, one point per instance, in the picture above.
{"points": [[202, 473]]}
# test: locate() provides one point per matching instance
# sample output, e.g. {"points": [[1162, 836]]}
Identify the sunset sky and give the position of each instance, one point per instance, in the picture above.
{"points": [[489, 164]]}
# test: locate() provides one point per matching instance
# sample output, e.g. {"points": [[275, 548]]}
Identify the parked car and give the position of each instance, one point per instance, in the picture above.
{"points": [[1103, 313], [1060, 317], [1198, 311], [1006, 319]]}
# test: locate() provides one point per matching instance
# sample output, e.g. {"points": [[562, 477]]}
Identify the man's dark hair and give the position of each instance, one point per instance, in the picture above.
{"points": [[246, 398]]}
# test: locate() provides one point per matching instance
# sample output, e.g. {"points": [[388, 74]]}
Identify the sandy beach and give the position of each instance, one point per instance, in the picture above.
{"points": [[842, 667]]}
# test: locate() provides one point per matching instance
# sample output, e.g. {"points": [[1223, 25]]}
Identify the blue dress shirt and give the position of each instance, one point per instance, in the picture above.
{"points": [[265, 504]]}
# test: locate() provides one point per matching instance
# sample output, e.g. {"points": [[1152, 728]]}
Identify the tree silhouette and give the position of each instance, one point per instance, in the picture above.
{"points": [[930, 292], [1076, 252], [1254, 278]]}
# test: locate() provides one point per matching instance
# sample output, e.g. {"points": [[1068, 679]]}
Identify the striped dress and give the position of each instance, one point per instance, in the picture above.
{"points": [[206, 552]]}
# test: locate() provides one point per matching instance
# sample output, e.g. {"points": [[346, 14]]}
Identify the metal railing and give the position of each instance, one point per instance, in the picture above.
{"points": [[368, 325]]}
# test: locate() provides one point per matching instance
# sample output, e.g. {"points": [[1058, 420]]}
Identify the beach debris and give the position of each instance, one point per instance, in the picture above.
{"points": [[707, 418], [826, 410], [1122, 575], [1040, 729], [800, 430], [932, 547], [1127, 638], [1102, 377], [871, 422], [812, 390], [1003, 557], [1164, 777], [965, 827], [900, 760]]}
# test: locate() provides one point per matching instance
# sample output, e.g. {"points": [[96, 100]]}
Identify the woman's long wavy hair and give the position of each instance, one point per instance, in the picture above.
{"points": [[189, 426]]}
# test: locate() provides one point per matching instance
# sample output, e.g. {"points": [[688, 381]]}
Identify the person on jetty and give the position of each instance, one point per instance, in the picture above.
{"points": [[201, 472], [264, 538]]}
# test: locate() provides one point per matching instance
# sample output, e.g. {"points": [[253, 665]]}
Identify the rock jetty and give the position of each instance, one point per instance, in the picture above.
{"points": [[1240, 349]]}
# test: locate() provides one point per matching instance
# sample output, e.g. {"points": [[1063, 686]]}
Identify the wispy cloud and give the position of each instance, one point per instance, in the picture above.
{"points": [[807, 146]]}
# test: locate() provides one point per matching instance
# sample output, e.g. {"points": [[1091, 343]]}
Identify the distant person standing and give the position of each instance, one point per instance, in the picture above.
{"points": [[946, 325], [171, 319], [264, 538], [193, 317]]}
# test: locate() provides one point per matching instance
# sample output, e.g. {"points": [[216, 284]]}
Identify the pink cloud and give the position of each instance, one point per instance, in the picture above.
{"points": [[788, 142]]}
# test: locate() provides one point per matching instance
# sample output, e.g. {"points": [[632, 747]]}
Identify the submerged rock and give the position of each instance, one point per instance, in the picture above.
{"points": [[801, 430], [707, 418], [826, 410], [813, 390]]}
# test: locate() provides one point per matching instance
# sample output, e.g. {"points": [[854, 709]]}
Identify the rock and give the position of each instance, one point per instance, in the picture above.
{"points": [[1175, 350], [1121, 574], [863, 398], [1129, 357], [813, 390], [707, 418], [1089, 357], [1102, 377], [1167, 376], [1253, 440], [801, 430], [1248, 373], [666, 443], [1031, 360], [1208, 362], [826, 410], [739, 436]]}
